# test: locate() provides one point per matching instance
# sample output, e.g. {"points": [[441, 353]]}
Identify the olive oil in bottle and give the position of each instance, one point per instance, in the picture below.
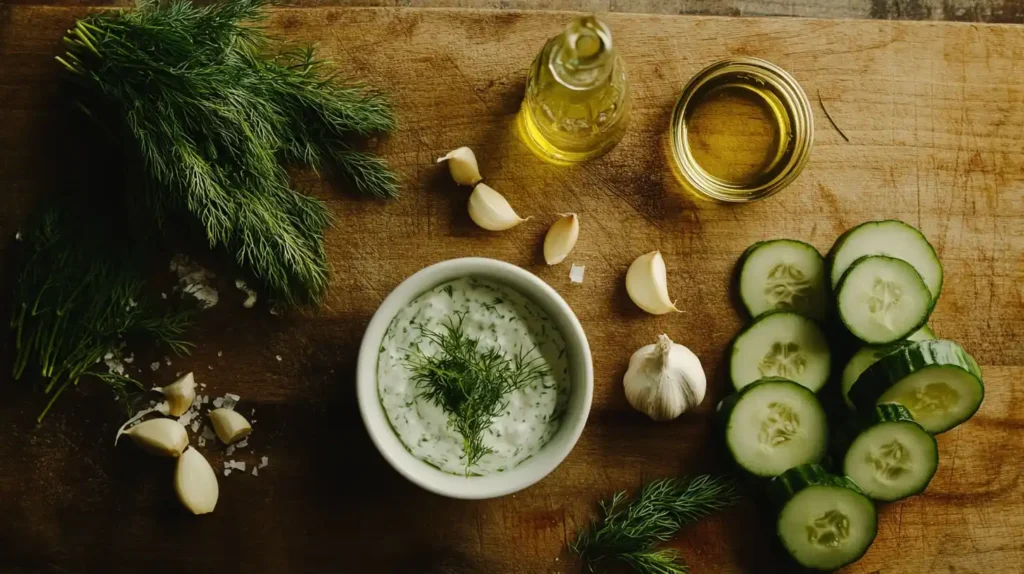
{"points": [[577, 95]]}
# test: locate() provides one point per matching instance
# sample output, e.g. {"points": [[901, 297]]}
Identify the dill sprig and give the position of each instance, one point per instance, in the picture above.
{"points": [[215, 111], [470, 383], [628, 531], [211, 111], [75, 302]]}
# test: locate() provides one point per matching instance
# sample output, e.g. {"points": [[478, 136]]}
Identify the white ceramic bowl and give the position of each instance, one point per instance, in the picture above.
{"points": [[581, 374]]}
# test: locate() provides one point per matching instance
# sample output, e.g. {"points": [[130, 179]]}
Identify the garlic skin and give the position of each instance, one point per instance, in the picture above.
{"points": [[179, 394], [161, 437], [230, 426], [664, 380], [490, 210], [462, 165], [195, 483], [647, 284], [561, 238]]}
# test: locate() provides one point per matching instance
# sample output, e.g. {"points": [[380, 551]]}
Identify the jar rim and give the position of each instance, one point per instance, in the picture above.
{"points": [[788, 101]]}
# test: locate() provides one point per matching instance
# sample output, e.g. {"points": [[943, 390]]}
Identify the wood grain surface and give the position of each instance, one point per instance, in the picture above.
{"points": [[935, 117], [993, 11]]}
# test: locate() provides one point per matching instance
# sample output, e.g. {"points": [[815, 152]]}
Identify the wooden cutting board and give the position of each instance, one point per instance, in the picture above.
{"points": [[935, 117]]}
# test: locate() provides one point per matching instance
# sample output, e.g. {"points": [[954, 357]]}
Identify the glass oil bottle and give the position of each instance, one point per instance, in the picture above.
{"points": [[577, 95]]}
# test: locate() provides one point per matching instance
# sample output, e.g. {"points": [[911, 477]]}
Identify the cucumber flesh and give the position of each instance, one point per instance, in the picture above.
{"points": [[892, 238], [825, 521], [783, 274], [781, 344], [937, 381], [925, 333], [773, 425], [893, 457], [881, 299]]}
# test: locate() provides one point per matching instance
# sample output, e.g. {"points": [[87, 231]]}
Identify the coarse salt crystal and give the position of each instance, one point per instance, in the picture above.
{"points": [[195, 426], [163, 295], [278, 357], [217, 402], [230, 400], [243, 443], [264, 461], [18, 236], [227, 471], [202, 385], [576, 273], [230, 450], [255, 471], [220, 353], [250, 294], [130, 359], [154, 365], [168, 361]]}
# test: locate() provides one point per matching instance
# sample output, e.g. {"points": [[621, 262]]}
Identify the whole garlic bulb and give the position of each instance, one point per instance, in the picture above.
{"points": [[664, 380]]}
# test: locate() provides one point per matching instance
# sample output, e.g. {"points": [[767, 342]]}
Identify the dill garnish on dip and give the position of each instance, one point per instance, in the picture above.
{"points": [[473, 377]]}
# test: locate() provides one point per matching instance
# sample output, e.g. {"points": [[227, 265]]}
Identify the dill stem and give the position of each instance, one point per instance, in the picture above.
{"points": [[53, 399]]}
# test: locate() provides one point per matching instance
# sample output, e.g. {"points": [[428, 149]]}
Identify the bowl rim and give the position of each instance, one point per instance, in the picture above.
{"points": [[421, 473]]}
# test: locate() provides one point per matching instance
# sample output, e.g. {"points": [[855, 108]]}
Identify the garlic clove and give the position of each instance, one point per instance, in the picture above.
{"points": [[230, 426], [162, 437], [561, 238], [490, 210], [462, 165], [647, 284], [179, 394], [195, 483], [664, 380]]}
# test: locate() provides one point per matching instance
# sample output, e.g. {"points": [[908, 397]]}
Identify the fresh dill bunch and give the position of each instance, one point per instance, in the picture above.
{"points": [[628, 531], [215, 111], [80, 295], [470, 383]]}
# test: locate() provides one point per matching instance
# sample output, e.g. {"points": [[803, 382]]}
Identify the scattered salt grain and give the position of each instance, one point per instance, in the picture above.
{"points": [[18, 236], [130, 359], [230, 450], [167, 360], [202, 385], [250, 294], [209, 367], [108, 356], [264, 461], [195, 426], [255, 471], [163, 295], [576, 273], [278, 357], [217, 402], [220, 353], [227, 471], [274, 311], [243, 443], [195, 280], [230, 401], [154, 365]]}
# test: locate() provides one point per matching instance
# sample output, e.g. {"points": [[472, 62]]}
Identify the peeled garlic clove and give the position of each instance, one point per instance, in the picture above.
{"points": [[664, 380], [195, 483], [647, 284], [561, 238], [490, 210], [230, 426], [162, 437], [462, 165], [179, 395]]}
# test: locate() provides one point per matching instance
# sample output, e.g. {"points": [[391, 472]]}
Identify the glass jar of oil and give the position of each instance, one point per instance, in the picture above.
{"points": [[577, 95]]}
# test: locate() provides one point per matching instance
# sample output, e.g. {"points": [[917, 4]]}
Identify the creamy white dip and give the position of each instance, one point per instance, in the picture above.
{"points": [[498, 317]]}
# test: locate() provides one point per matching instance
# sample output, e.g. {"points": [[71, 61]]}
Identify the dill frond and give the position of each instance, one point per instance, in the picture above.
{"points": [[628, 531], [469, 383]]}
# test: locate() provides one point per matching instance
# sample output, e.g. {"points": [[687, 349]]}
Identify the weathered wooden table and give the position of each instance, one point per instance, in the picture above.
{"points": [[935, 116]]}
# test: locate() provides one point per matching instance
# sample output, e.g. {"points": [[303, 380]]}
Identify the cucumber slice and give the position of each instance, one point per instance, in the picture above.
{"points": [[825, 521], [783, 274], [925, 333], [774, 424], [865, 357], [781, 344], [892, 238], [881, 299], [892, 457], [937, 381]]}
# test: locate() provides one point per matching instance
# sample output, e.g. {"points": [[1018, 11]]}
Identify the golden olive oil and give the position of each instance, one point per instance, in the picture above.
{"points": [[577, 95]]}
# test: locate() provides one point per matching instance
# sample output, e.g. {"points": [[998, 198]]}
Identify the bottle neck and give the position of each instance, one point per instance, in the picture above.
{"points": [[582, 56]]}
